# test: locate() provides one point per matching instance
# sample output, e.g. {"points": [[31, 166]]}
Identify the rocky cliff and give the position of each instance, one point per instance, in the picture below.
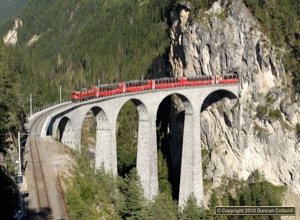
{"points": [[259, 132]]}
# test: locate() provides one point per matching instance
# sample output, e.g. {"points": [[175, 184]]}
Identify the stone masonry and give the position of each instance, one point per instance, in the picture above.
{"points": [[69, 122]]}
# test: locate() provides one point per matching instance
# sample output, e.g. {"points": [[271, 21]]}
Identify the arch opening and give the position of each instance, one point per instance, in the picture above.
{"points": [[61, 128], [217, 96], [170, 129], [88, 135], [219, 116], [127, 136]]}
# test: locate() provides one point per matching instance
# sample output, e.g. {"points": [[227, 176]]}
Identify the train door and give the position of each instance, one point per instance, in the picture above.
{"points": [[123, 87], [217, 78], [153, 83]]}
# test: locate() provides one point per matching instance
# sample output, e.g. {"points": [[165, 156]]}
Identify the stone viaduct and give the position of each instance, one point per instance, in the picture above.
{"points": [[70, 119]]}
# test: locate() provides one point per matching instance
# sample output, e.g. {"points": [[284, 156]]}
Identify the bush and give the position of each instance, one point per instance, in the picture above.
{"points": [[261, 110], [275, 114]]}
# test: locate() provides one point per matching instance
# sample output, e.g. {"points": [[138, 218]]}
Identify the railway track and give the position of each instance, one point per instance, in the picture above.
{"points": [[41, 206], [44, 209]]}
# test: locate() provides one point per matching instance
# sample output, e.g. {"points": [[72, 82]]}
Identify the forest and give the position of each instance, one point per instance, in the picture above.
{"points": [[85, 41], [9, 8]]}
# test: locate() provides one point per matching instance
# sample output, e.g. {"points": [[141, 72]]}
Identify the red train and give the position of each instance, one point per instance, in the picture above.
{"points": [[142, 85]]}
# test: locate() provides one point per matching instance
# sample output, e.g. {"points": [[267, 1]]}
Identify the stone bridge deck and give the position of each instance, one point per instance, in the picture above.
{"points": [[69, 122]]}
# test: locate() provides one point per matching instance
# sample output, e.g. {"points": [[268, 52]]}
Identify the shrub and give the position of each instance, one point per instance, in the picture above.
{"points": [[275, 114]]}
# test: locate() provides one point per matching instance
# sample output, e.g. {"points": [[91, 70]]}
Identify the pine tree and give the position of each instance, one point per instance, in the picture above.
{"points": [[191, 210], [212, 203], [134, 200], [9, 122], [163, 174], [164, 208]]}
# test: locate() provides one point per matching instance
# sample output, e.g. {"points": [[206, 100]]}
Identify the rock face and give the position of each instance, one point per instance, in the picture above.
{"points": [[12, 36], [258, 132]]}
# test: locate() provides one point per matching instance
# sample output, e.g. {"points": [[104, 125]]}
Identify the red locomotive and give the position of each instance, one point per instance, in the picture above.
{"points": [[151, 84]]}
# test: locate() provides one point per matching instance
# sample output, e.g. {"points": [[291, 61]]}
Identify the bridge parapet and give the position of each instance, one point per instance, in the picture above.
{"points": [[70, 119]]}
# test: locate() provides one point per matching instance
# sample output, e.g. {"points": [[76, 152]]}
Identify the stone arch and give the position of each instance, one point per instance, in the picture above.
{"points": [[141, 108], [216, 96], [208, 127], [146, 160], [67, 132], [101, 118], [90, 122], [103, 137], [172, 126], [131, 115]]}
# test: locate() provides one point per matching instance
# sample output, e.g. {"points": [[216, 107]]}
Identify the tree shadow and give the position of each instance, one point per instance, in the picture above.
{"points": [[8, 195], [36, 214]]}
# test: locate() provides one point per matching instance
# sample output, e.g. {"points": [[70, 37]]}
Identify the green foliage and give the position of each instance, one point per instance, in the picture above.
{"points": [[75, 204], [9, 109], [10, 114], [254, 192], [261, 110], [298, 128], [163, 174], [212, 203], [192, 210], [163, 208], [267, 113], [127, 138], [275, 114], [83, 41], [10, 8], [134, 200], [90, 194]]}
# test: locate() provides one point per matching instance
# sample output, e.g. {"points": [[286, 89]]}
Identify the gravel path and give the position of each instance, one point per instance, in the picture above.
{"points": [[55, 160]]}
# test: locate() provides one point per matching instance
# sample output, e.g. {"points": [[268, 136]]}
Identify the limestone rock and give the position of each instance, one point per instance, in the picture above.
{"points": [[12, 36], [227, 39]]}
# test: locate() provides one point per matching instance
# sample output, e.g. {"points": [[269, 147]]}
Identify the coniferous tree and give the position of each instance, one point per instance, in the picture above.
{"points": [[191, 210], [9, 108], [134, 200], [163, 208], [212, 203]]}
